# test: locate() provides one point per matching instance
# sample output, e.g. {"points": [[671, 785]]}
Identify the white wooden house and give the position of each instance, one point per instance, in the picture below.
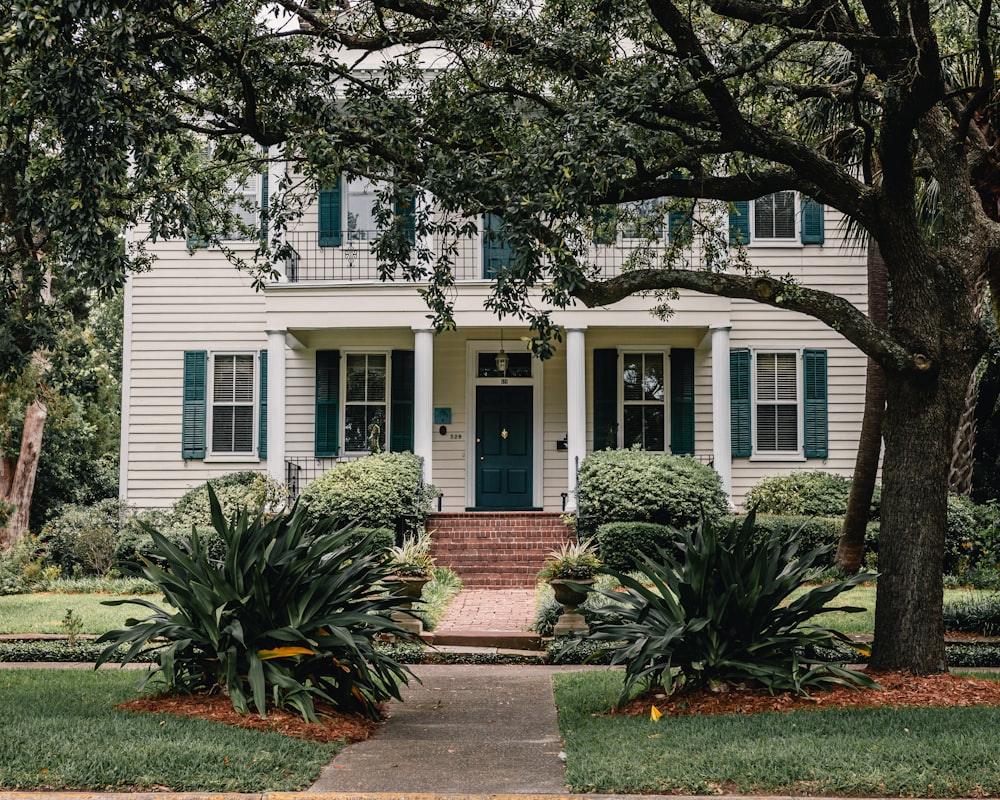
{"points": [[219, 377]]}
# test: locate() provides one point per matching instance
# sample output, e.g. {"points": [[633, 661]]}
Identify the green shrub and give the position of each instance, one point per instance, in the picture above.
{"points": [[621, 544], [720, 615], [807, 494], [376, 492], [972, 538], [639, 486], [83, 539], [136, 545], [813, 532], [236, 491], [979, 615], [288, 615]]}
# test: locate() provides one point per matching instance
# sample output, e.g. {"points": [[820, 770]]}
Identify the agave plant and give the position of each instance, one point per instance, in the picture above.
{"points": [[720, 613], [289, 615]]}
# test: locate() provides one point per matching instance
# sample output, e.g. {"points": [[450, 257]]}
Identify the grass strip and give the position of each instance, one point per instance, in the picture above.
{"points": [[62, 732], [918, 752], [45, 613]]}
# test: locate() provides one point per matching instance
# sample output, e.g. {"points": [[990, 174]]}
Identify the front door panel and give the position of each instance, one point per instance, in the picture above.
{"points": [[503, 447]]}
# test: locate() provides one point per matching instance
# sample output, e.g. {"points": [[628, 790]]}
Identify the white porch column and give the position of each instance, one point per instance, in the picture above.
{"points": [[276, 404], [576, 407], [423, 398], [721, 421]]}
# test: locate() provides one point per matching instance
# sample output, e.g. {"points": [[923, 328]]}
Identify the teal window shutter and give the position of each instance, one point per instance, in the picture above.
{"points": [[606, 398], [262, 408], [497, 252], [812, 221], [193, 414], [401, 398], [739, 222], [739, 401], [404, 210], [331, 207], [327, 403], [682, 401], [815, 413]]}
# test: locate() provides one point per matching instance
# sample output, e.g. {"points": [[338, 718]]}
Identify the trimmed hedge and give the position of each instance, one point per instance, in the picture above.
{"points": [[639, 486], [377, 491], [237, 490], [806, 494], [620, 544]]}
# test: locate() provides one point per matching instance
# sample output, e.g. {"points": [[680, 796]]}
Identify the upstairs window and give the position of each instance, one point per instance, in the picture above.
{"points": [[774, 216], [781, 218]]}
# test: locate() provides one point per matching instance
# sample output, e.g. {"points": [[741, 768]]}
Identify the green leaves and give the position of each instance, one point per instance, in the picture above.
{"points": [[289, 614], [719, 612]]}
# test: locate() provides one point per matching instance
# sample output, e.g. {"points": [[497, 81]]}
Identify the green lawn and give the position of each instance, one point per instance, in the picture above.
{"points": [[43, 613], [61, 732], [928, 752]]}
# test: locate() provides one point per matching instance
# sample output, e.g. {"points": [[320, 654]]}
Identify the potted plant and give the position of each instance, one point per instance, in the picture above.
{"points": [[570, 572], [412, 568]]}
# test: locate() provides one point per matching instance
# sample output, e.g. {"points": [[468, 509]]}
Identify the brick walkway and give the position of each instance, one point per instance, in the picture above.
{"points": [[490, 610]]}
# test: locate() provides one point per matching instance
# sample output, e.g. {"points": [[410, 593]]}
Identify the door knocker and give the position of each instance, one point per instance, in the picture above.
{"points": [[503, 434]]}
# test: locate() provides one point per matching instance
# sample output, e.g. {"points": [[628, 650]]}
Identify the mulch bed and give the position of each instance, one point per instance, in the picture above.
{"points": [[333, 726], [898, 689]]}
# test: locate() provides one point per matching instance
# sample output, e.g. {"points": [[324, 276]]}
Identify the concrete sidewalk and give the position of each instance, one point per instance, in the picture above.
{"points": [[465, 729]]}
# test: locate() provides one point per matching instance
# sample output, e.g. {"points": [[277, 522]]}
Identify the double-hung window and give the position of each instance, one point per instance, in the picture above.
{"points": [[777, 401], [644, 401], [233, 403], [774, 217], [366, 377]]}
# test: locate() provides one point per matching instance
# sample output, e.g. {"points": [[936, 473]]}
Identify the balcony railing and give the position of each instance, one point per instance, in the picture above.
{"points": [[352, 258]]}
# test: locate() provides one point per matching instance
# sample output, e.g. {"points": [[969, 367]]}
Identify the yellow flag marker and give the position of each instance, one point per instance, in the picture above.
{"points": [[655, 714]]}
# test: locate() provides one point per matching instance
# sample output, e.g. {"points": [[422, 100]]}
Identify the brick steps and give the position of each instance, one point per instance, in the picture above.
{"points": [[495, 550]]}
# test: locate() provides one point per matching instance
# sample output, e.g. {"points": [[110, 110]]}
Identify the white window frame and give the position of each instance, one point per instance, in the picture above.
{"points": [[232, 455], [644, 351], [345, 354], [795, 240], [772, 455], [251, 190]]}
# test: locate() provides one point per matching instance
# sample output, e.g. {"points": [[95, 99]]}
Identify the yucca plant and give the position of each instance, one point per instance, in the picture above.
{"points": [[719, 613], [288, 615]]}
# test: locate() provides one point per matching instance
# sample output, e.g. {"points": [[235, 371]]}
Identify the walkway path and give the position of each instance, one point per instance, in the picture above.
{"points": [[498, 618], [480, 730]]}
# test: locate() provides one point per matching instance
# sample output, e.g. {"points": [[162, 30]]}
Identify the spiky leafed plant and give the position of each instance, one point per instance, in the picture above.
{"points": [[289, 615], [720, 613]]}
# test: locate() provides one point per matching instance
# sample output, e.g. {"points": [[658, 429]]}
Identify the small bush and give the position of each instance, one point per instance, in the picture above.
{"points": [[376, 492], [805, 494], [639, 486], [289, 615], [83, 539], [621, 544], [722, 615], [812, 531], [236, 491], [978, 615]]}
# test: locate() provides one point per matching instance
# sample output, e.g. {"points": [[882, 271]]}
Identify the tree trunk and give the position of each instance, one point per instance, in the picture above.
{"points": [[851, 548], [22, 483], [922, 414], [963, 455]]}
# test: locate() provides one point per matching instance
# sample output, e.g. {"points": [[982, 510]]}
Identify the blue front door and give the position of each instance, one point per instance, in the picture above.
{"points": [[503, 447]]}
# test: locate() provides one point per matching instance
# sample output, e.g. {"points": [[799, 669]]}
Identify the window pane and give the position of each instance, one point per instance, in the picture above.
{"points": [[243, 379], [243, 429], [766, 371], [767, 428], [632, 377], [223, 373], [632, 426], [222, 429], [784, 215], [518, 366], [355, 378], [653, 427], [360, 216], [763, 221], [786, 378], [376, 378], [788, 428], [355, 428], [653, 377]]}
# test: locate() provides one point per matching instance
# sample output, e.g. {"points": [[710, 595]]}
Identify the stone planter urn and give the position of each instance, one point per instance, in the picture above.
{"points": [[570, 594], [410, 588]]}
